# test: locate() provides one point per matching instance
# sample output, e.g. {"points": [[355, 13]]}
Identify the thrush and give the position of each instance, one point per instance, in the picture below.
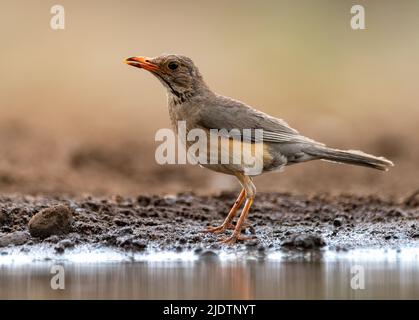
{"points": [[192, 101]]}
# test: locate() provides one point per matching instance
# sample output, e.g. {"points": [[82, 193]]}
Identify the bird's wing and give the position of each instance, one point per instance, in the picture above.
{"points": [[229, 114]]}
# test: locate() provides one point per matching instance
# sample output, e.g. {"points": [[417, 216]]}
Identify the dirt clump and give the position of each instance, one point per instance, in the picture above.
{"points": [[304, 241], [55, 220], [15, 238]]}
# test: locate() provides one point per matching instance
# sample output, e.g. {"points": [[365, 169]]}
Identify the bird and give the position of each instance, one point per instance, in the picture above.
{"points": [[190, 99]]}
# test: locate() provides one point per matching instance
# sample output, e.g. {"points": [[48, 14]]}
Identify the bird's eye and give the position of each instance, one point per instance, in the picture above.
{"points": [[173, 65]]}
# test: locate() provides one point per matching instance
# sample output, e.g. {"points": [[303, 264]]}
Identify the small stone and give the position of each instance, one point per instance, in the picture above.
{"points": [[338, 222], [261, 248], [63, 244], [143, 200], [131, 243], [198, 250], [59, 249], [302, 241], [170, 199], [66, 243], [52, 239], [16, 238], [209, 255], [139, 245], [252, 243], [55, 220]]}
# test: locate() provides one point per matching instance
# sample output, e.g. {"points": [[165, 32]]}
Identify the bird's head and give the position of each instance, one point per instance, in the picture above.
{"points": [[176, 72]]}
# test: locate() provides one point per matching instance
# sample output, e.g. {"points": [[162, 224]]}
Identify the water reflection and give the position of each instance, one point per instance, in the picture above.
{"points": [[214, 279]]}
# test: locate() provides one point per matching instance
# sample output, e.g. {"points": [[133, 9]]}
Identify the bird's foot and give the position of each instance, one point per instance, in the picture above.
{"points": [[219, 229], [234, 238], [224, 227]]}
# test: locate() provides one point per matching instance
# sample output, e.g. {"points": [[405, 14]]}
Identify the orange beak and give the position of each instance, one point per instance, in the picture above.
{"points": [[142, 63]]}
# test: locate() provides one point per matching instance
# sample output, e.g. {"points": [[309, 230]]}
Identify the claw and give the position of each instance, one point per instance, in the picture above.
{"points": [[219, 229], [222, 228], [234, 238]]}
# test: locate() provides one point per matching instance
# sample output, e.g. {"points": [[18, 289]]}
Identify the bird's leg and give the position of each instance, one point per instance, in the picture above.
{"points": [[237, 231], [233, 211], [245, 225], [250, 189]]}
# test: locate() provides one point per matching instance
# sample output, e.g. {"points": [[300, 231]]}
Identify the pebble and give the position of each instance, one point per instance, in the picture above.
{"points": [[54, 220], [302, 241], [338, 222], [15, 238], [208, 255], [63, 244]]}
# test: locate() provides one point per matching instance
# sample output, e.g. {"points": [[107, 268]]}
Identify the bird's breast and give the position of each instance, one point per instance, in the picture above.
{"points": [[183, 113]]}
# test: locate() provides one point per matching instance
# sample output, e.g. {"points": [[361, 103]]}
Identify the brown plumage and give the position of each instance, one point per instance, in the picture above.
{"points": [[191, 100]]}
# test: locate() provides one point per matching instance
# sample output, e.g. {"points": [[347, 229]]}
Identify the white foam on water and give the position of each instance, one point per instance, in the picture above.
{"points": [[88, 254], [93, 254], [409, 254]]}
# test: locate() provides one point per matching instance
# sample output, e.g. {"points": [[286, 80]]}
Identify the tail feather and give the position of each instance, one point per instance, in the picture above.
{"points": [[353, 157]]}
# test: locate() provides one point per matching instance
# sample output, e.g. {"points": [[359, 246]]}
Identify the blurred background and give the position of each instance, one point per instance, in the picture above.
{"points": [[74, 119]]}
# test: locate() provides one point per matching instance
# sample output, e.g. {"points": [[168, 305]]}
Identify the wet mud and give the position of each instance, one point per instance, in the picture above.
{"points": [[278, 221]]}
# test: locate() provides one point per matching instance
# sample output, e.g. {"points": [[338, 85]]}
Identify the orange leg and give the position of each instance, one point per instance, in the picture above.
{"points": [[250, 189], [237, 231], [227, 222]]}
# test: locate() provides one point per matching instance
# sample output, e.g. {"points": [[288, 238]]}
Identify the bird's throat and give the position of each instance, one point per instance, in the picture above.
{"points": [[169, 86]]}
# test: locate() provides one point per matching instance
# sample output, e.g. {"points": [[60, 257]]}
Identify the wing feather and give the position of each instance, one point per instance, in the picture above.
{"points": [[226, 113]]}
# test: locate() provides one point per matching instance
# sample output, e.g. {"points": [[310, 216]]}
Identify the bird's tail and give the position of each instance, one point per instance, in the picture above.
{"points": [[354, 157]]}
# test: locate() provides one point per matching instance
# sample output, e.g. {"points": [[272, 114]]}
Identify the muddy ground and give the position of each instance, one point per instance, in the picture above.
{"points": [[277, 221]]}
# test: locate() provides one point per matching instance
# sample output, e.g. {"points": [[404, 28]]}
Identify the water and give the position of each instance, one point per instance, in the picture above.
{"points": [[106, 274]]}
